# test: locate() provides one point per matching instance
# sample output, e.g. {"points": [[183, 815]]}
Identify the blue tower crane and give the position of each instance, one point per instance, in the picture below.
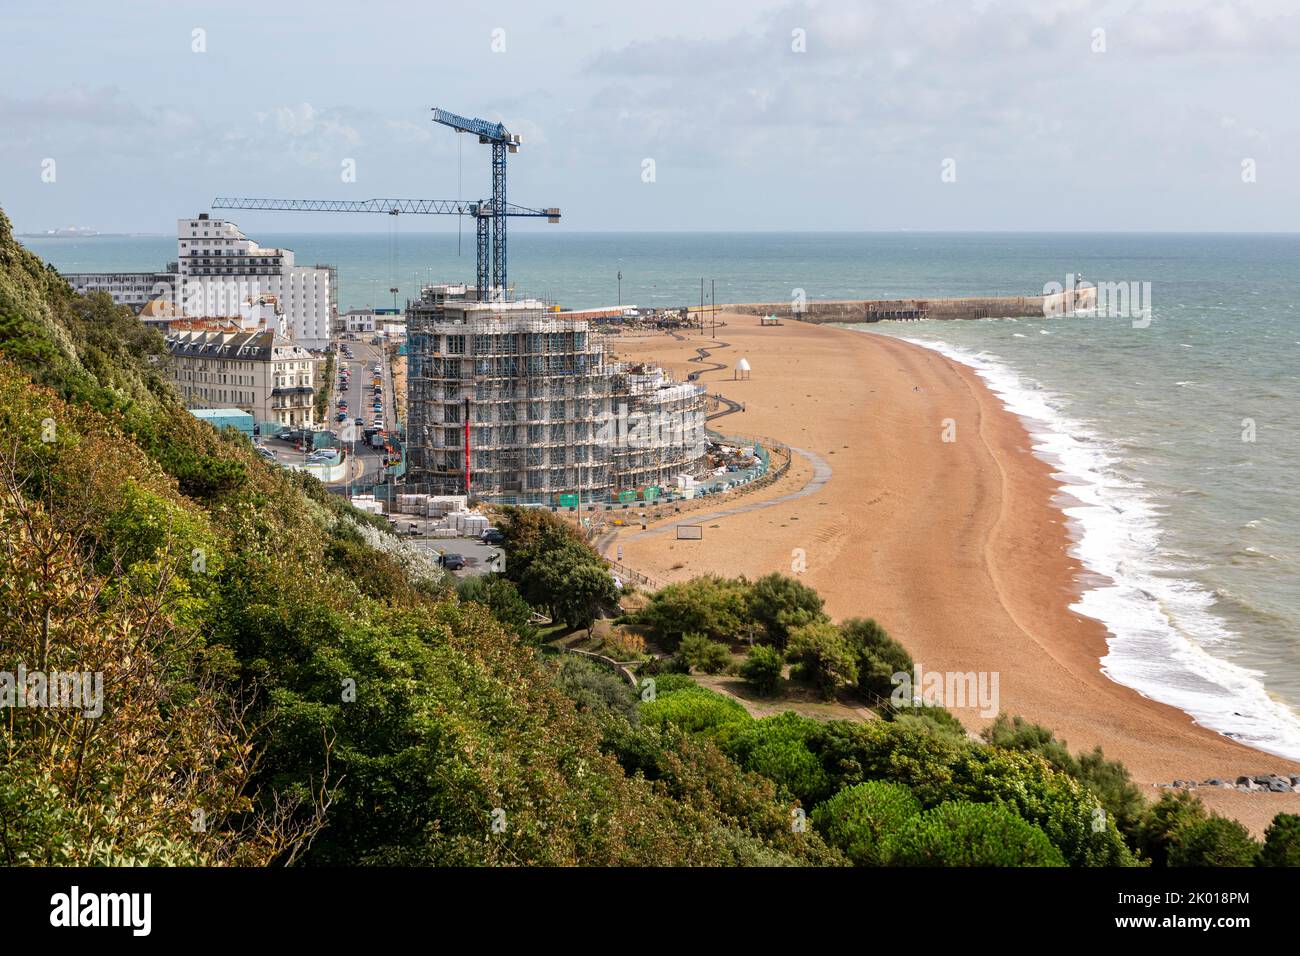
{"points": [[503, 142], [489, 215]]}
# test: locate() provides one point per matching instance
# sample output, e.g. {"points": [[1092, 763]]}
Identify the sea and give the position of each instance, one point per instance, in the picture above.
{"points": [[1174, 429]]}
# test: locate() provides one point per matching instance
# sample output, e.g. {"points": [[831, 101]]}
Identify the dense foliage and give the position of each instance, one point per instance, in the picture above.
{"points": [[971, 834]]}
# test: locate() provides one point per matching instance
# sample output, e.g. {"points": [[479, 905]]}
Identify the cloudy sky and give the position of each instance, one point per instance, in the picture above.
{"points": [[753, 115]]}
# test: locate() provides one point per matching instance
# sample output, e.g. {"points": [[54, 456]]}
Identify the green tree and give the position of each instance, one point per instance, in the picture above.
{"points": [[822, 656], [780, 604], [503, 599], [1155, 832], [571, 583], [1214, 841], [880, 657], [1108, 780], [860, 819], [956, 833], [1281, 842], [762, 669], [711, 657], [709, 605]]}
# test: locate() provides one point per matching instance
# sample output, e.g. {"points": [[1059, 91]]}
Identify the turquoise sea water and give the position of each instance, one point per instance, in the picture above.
{"points": [[1196, 531]]}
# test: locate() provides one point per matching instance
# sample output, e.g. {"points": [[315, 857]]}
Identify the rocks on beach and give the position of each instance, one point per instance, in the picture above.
{"points": [[1259, 783]]}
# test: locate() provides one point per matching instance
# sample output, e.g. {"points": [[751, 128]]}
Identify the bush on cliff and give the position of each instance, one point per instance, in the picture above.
{"points": [[859, 820], [971, 834]]}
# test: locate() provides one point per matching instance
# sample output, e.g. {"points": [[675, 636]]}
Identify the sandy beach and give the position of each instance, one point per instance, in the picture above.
{"points": [[957, 547]]}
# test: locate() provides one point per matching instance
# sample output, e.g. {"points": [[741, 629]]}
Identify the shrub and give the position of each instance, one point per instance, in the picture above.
{"points": [[957, 833], [503, 599], [703, 654], [1281, 842], [858, 820], [823, 657], [624, 645], [762, 669], [780, 748], [666, 681], [1059, 805], [780, 604], [696, 710], [1214, 841], [940, 720], [906, 752], [594, 687], [712, 606], [1108, 780]]}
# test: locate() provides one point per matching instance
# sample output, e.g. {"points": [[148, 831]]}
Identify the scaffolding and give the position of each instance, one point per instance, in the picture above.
{"points": [[548, 413]]}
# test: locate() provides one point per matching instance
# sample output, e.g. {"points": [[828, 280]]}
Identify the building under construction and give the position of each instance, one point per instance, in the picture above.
{"points": [[529, 397]]}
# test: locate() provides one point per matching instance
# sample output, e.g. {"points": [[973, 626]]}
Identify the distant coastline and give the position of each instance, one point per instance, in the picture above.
{"points": [[64, 234]]}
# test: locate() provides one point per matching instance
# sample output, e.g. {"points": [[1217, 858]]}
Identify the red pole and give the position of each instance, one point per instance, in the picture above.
{"points": [[466, 447]]}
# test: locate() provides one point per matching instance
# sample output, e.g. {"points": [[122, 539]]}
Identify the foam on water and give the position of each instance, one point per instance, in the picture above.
{"points": [[1161, 625]]}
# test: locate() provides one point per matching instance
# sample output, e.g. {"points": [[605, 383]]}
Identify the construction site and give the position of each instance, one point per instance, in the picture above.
{"points": [[511, 401]]}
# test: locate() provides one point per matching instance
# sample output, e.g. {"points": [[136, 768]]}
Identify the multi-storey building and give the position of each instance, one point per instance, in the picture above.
{"points": [[134, 289], [220, 267], [244, 363], [548, 412]]}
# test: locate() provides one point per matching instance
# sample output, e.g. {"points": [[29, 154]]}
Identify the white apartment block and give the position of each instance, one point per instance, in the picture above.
{"points": [[135, 289], [219, 268]]}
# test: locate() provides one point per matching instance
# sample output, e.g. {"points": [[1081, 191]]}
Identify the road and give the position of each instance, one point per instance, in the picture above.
{"points": [[368, 462]]}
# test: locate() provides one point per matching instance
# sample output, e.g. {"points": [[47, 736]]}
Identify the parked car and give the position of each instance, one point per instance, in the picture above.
{"points": [[452, 562], [284, 435], [493, 536], [265, 452], [341, 417]]}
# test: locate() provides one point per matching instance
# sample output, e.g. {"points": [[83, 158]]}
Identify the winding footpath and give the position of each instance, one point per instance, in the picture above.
{"points": [[821, 468]]}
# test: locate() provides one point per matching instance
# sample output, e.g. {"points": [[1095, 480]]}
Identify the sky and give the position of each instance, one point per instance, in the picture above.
{"points": [[1046, 115]]}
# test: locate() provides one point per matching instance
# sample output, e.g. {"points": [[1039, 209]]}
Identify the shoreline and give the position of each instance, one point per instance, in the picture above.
{"points": [[962, 550], [1223, 697]]}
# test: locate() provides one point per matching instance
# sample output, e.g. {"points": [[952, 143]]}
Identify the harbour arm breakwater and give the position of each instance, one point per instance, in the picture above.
{"points": [[1081, 299]]}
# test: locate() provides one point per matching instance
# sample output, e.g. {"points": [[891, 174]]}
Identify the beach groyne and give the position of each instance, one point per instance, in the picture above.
{"points": [[904, 310]]}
